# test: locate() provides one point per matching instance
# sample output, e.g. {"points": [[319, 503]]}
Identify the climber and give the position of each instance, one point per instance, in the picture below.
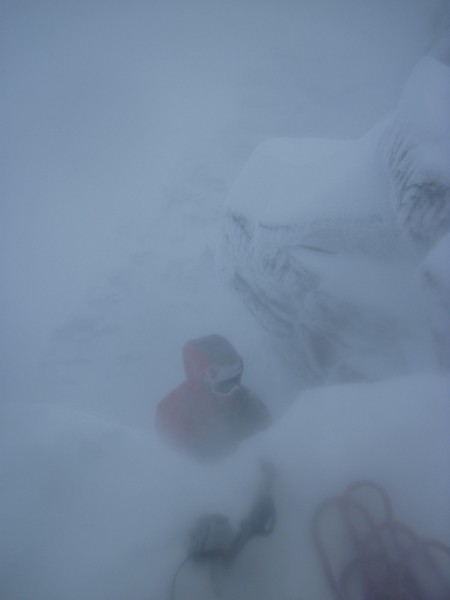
{"points": [[211, 412]]}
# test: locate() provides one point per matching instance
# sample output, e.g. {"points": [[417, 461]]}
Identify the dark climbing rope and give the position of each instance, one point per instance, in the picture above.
{"points": [[389, 560], [172, 595]]}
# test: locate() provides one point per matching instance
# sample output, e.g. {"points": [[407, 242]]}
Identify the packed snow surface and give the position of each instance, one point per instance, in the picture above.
{"points": [[310, 179], [98, 511]]}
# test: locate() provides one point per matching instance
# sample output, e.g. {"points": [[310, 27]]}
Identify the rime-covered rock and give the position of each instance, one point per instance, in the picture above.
{"points": [[416, 151], [311, 223]]}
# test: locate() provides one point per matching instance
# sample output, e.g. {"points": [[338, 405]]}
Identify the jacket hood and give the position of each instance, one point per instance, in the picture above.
{"points": [[212, 355]]}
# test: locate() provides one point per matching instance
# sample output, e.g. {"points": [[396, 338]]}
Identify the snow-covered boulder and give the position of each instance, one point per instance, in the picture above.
{"points": [[416, 151], [315, 237]]}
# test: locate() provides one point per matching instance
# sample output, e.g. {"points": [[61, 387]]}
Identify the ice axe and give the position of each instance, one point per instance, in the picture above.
{"points": [[212, 538]]}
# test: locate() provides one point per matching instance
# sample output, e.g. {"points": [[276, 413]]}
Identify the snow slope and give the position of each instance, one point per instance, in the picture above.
{"points": [[97, 511]]}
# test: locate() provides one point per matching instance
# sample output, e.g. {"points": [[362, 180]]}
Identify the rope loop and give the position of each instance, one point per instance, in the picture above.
{"points": [[390, 562]]}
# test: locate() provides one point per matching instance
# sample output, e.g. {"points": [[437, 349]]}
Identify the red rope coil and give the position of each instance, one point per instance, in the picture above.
{"points": [[389, 561]]}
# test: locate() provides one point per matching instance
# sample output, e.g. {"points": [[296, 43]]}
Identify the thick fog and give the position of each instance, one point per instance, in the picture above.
{"points": [[129, 132], [123, 125]]}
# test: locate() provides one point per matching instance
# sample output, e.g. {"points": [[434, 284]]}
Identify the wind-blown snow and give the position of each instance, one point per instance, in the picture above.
{"points": [[126, 127], [97, 511]]}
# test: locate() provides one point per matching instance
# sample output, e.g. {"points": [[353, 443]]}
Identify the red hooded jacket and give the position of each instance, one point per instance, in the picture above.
{"points": [[203, 422]]}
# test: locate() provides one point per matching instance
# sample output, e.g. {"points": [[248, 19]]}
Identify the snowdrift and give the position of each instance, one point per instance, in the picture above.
{"points": [[96, 511], [323, 239]]}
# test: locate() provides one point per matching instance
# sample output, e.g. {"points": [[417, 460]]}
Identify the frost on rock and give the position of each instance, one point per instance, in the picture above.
{"points": [[416, 151], [435, 272], [316, 233]]}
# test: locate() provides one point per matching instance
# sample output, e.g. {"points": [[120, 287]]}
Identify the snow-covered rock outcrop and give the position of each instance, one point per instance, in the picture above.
{"points": [[317, 236], [416, 151]]}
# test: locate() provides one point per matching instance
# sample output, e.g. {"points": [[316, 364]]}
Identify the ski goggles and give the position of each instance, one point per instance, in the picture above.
{"points": [[224, 379]]}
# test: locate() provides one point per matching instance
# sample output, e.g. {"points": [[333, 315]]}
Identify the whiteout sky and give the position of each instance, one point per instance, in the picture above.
{"points": [[109, 106], [124, 126]]}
